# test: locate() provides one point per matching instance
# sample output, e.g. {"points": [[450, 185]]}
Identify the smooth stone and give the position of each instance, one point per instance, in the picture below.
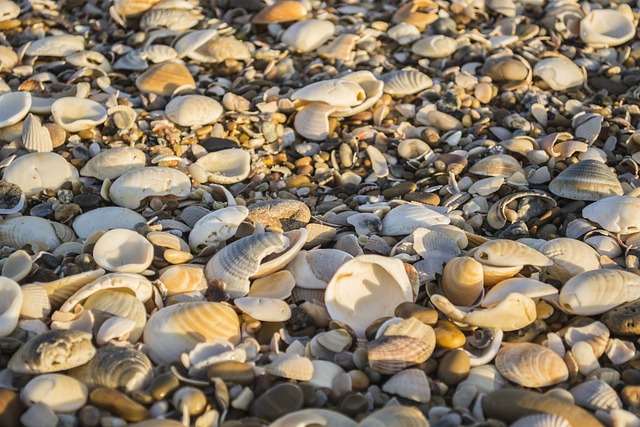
{"points": [[278, 401], [39, 415], [89, 416], [61, 393], [630, 395], [448, 336], [399, 190], [623, 320], [163, 385], [232, 371], [454, 367], [10, 408], [613, 87], [631, 376], [422, 197], [353, 404], [285, 215], [118, 404], [218, 144], [424, 314]]}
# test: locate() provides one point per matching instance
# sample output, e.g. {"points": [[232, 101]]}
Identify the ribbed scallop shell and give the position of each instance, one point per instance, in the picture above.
{"points": [[522, 285], [29, 230], [598, 291], [498, 165], [312, 121], [171, 19], [132, 188], [291, 366], [606, 26], [226, 166], [176, 329], [436, 249], [112, 163], [531, 365], [391, 354], [283, 11], [542, 420], [240, 260], [35, 172], [411, 384], [462, 281], [617, 214], [35, 137], [35, 302], [395, 416], [193, 110], [60, 290], [586, 180], [122, 304], [76, 114], [508, 253], [405, 82], [405, 219], [564, 252], [596, 395], [120, 368]]}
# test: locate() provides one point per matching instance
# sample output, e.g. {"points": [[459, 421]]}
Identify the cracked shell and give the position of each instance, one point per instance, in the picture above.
{"points": [[215, 228], [76, 114], [617, 214], [132, 188], [226, 166], [559, 73], [531, 365]]}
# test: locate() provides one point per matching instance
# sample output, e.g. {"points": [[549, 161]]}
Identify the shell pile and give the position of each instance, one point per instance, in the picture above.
{"points": [[394, 213]]}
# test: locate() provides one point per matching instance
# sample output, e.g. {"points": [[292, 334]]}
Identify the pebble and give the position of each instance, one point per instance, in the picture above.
{"points": [[454, 367], [118, 404], [285, 215], [10, 408], [277, 401], [424, 314], [399, 190], [231, 371], [163, 385], [624, 320], [448, 336]]}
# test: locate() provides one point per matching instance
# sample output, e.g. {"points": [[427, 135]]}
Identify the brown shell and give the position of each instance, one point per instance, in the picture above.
{"points": [[284, 11], [500, 165], [391, 354]]}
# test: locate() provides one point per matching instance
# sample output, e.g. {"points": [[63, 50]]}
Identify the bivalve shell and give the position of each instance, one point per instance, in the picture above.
{"points": [[35, 137], [411, 384], [462, 280], [314, 269], [435, 46], [405, 82], [226, 166], [163, 79], [336, 92], [291, 366], [59, 392], [61, 46], [314, 417], [617, 214], [112, 163], [497, 165], [283, 11], [606, 27], [115, 303], [312, 121], [123, 251], [395, 416], [39, 171], [542, 420], [529, 287], [391, 354], [264, 309], [215, 228], [405, 219], [531, 365], [15, 106], [596, 395], [132, 188], [76, 114], [308, 35], [10, 305], [193, 110], [598, 291], [586, 180], [509, 253], [29, 230], [559, 73], [564, 252]]}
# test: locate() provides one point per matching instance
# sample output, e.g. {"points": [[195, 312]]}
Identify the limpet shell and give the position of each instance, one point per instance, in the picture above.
{"points": [[531, 365], [112, 163], [308, 35], [61, 393], [405, 82], [559, 73], [123, 251], [193, 110], [226, 166], [76, 114], [617, 214], [15, 106], [29, 230], [598, 291], [606, 27], [133, 187], [586, 180]]}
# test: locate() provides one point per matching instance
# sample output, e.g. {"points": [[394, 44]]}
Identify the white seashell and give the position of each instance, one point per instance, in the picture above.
{"points": [[365, 224], [39, 171], [76, 114], [335, 92], [559, 73], [106, 218], [436, 46], [15, 106], [59, 392], [378, 162], [372, 88], [531, 365], [542, 420], [208, 353], [619, 351], [617, 214], [598, 291], [403, 33], [312, 121], [56, 46], [123, 251], [8, 10], [314, 417], [80, 320], [226, 166], [228, 47], [171, 19], [378, 283], [405, 82], [193, 110], [157, 53], [508, 253], [324, 373], [29, 230], [414, 148], [35, 302], [411, 384], [115, 303], [578, 228], [563, 252], [90, 59], [277, 285], [11, 297], [264, 309], [596, 395], [132, 188], [314, 269], [35, 137], [596, 334], [17, 266], [215, 228], [115, 329], [462, 281], [606, 27], [291, 366], [522, 285], [132, 61], [308, 35], [605, 245], [279, 260], [190, 43], [112, 163], [405, 219]]}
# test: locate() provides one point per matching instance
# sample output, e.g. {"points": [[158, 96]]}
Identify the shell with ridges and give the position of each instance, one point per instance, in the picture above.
{"points": [[405, 219], [395, 416], [35, 302], [596, 334], [508, 253], [312, 121], [542, 420], [563, 252], [291, 366], [29, 230], [35, 137], [278, 260], [179, 279], [112, 163], [531, 365], [10, 305], [405, 82], [164, 78], [435, 46], [462, 280], [130, 189], [60, 290], [596, 395], [122, 304], [313, 417], [586, 180], [411, 384], [391, 354], [497, 165], [314, 269], [35, 172], [193, 110]]}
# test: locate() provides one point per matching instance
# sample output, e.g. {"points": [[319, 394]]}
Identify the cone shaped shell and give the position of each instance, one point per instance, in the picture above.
{"points": [[112, 163], [462, 280], [176, 329], [508, 253], [598, 291], [531, 365], [586, 180]]}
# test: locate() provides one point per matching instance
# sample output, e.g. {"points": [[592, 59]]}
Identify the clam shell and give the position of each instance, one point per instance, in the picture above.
{"points": [[314, 417], [542, 420], [435, 46], [191, 42], [179, 279], [76, 114], [349, 244], [277, 285], [133, 187], [372, 88], [35, 302], [163, 79], [21, 231], [522, 285], [497, 215], [497, 165], [336, 92], [405, 219], [115, 303], [59, 392], [617, 214], [17, 266], [15, 106], [112, 163], [508, 253], [171, 19], [123, 251], [563, 252], [240, 260], [62, 46], [278, 260], [559, 73], [435, 248], [405, 82], [596, 334], [119, 368], [586, 180], [35, 137], [133, 61], [308, 35], [462, 281], [193, 110], [598, 291], [225, 48], [531, 365], [312, 121], [395, 416], [314, 269], [39, 171], [226, 166], [264, 309], [176, 329], [283, 11], [411, 384], [107, 218], [606, 27], [391, 354], [291, 366], [90, 59], [53, 351], [378, 283], [596, 395], [11, 297], [60, 290]]}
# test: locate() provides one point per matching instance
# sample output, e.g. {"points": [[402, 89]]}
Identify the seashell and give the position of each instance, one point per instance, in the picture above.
{"points": [[8, 58], [371, 281], [395, 416], [349, 244], [486, 186], [586, 180], [508, 253], [112, 163], [123, 251], [563, 252], [283, 11], [59, 392], [435, 248], [171, 19], [291, 366], [8, 10], [314, 269], [207, 354], [405, 219], [53, 351], [606, 27], [35, 137], [318, 235], [411, 384], [225, 48], [414, 148], [462, 281], [133, 187], [391, 354], [373, 89], [106, 218], [277, 285], [13, 199], [403, 33], [596, 395], [176, 329], [158, 53], [17, 266], [226, 166], [215, 228], [542, 420], [312, 121], [497, 215], [12, 298], [60, 290], [193, 110], [15, 106], [598, 291], [278, 260], [528, 287], [35, 302], [619, 351], [588, 126], [76, 114], [405, 82], [119, 368], [312, 417], [378, 162], [39, 171], [308, 35], [596, 334], [336, 92], [504, 7], [531, 365], [240, 260], [119, 304], [506, 68], [340, 49], [79, 320], [133, 61], [559, 73], [264, 309], [163, 79], [498, 165], [90, 59], [419, 13], [435, 46], [21, 231], [62, 46], [133, 8], [616, 214]]}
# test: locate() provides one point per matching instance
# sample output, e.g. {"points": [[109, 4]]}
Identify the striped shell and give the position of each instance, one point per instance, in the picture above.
{"points": [[405, 219], [110, 303], [312, 121], [411, 384], [391, 354], [405, 82], [35, 137], [563, 252], [462, 281], [586, 180], [291, 366], [531, 365], [596, 395], [29, 230], [395, 416], [542, 420], [508, 253], [60, 290], [598, 291], [497, 165]]}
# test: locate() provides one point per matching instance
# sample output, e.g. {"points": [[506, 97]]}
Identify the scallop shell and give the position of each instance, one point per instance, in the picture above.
{"points": [[291, 366], [508, 253], [61, 46], [405, 82], [112, 163], [59, 392], [35, 302], [314, 269], [378, 283], [559, 73], [405, 219], [133, 187], [563, 252], [529, 287], [115, 303], [176, 329], [11, 302], [119, 368], [308, 35], [312, 121], [617, 214], [39, 171], [411, 384], [598, 291], [35, 137], [462, 281], [586, 180], [193, 110], [29, 230], [158, 53], [60, 290], [123, 251], [76, 114], [435, 248], [435, 46], [336, 92], [531, 365], [313, 417], [497, 165], [283, 11], [391, 354], [395, 416], [226, 166], [542, 420], [240, 260], [171, 19], [606, 27], [596, 395], [163, 79], [53, 351]]}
